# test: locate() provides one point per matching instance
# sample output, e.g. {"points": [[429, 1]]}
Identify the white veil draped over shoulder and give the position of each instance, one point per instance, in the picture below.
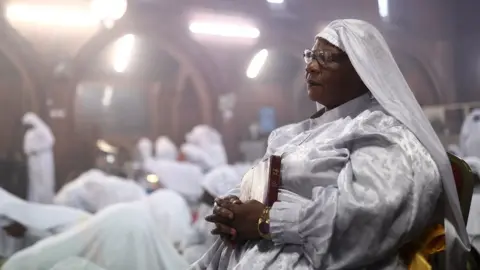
{"points": [[374, 63]]}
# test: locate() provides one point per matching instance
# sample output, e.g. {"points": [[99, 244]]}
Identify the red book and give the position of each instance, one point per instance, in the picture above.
{"points": [[262, 182]]}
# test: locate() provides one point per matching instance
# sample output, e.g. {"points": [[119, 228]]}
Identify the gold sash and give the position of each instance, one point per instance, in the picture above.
{"points": [[433, 241]]}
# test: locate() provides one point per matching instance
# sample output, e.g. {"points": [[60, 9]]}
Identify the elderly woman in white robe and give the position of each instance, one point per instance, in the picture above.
{"points": [[24, 223], [204, 147], [121, 237], [216, 183], [360, 179], [38, 147], [95, 190]]}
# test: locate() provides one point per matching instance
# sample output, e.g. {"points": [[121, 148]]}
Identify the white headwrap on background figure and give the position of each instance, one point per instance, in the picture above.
{"points": [[121, 237], [470, 135], [165, 149], [204, 146], [180, 177], [221, 180], [374, 63], [38, 146], [94, 190], [145, 148], [40, 220]]}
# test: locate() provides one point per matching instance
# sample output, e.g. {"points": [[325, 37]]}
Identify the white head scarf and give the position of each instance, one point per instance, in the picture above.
{"points": [[204, 147], [181, 177], [145, 148], [221, 180], [470, 135], [94, 190], [40, 137], [171, 212], [121, 237], [374, 63], [165, 149]]}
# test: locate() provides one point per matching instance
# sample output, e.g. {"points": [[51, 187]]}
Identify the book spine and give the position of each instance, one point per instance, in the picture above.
{"points": [[275, 179]]}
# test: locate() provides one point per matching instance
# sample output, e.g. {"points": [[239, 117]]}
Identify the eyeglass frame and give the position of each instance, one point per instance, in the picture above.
{"points": [[328, 57]]}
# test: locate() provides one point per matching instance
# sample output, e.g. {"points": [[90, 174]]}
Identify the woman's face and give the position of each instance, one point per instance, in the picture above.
{"points": [[331, 80]]}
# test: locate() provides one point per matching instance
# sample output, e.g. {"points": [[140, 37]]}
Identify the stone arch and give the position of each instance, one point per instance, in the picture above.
{"points": [[180, 47], [419, 80]]}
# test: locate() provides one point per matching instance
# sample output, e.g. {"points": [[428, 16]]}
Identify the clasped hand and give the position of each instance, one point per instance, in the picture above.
{"points": [[235, 220]]}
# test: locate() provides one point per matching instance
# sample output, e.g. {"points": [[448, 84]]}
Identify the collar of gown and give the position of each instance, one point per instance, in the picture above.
{"points": [[351, 107]]}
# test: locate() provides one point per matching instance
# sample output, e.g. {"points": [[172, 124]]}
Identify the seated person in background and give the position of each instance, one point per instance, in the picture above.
{"points": [[216, 183], [24, 223], [121, 237], [473, 225], [95, 190], [360, 179]]}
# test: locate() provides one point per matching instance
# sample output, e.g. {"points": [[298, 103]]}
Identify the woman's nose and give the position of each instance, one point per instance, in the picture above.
{"points": [[312, 67]]}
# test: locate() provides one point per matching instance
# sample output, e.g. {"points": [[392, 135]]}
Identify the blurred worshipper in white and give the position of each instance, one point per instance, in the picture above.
{"points": [[38, 147], [24, 223], [172, 214], [95, 190], [203, 146], [473, 225], [144, 152], [470, 135], [165, 149], [121, 237], [217, 183], [181, 177]]}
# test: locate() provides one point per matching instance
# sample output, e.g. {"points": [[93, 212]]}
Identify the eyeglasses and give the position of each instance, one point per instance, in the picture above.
{"points": [[323, 57]]}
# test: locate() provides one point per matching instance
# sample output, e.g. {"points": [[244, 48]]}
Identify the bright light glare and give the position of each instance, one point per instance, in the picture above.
{"points": [[275, 1], [111, 10], [70, 16], [224, 30], [152, 178], [383, 8], [123, 49], [110, 159], [107, 96], [257, 63]]}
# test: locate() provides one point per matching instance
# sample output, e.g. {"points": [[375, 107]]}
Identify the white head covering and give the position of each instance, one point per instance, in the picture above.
{"points": [[181, 177], [171, 213], [455, 150], [374, 63], [40, 137], [221, 180], [94, 190], [165, 149], [121, 237], [145, 148], [204, 147], [470, 135]]}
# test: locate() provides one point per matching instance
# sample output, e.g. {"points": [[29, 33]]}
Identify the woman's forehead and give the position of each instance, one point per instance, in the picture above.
{"points": [[323, 44]]}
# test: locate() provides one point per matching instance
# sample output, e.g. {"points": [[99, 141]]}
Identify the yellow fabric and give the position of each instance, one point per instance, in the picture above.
{"points": [[434, 242]]}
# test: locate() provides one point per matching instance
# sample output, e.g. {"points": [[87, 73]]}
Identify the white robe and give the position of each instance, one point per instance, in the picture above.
{"points": [[38, 144], [356, 186], [121, 237], [172, 214], [40, 220]]}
